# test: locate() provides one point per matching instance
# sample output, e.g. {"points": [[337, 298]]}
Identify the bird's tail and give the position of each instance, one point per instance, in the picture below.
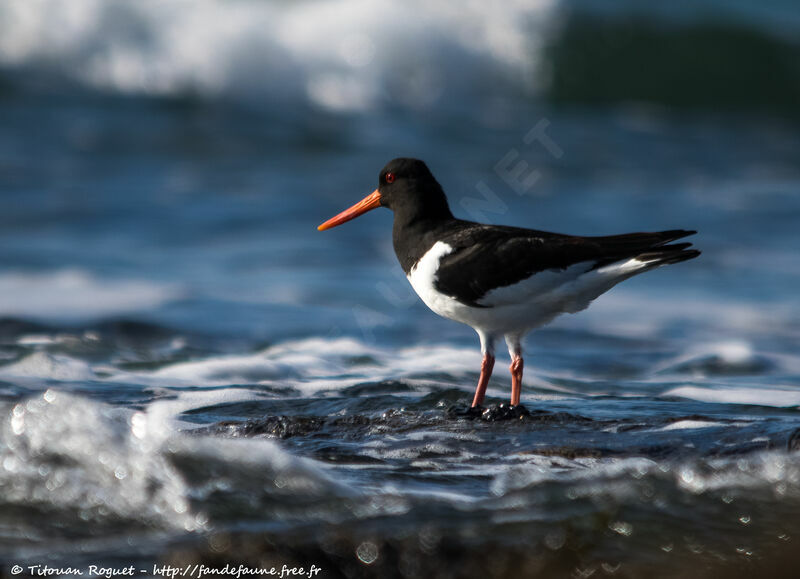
{"points": [[667, 254], [644, 251]]}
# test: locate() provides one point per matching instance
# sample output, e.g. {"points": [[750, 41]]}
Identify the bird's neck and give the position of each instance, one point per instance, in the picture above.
{"points": [[413, 237]]}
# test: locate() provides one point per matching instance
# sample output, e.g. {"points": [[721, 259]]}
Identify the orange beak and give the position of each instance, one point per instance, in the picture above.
{"points": [[368, 203]]}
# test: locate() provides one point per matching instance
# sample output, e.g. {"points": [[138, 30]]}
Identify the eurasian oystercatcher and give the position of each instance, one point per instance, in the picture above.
{"points": [[502, 281]]}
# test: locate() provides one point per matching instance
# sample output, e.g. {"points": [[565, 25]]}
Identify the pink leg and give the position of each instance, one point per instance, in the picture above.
{"points": [[516, 378], [486, 371]]}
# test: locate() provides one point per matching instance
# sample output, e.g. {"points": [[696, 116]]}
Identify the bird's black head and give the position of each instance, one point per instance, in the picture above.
{"points": [[407, 187]]}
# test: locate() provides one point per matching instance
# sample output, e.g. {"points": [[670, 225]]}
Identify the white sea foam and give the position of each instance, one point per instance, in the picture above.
{"points": [[62, 452], [543, 469], [619, 476], [260, 468], [315, 364], [339, 55], [776, 469], [309, 366], [164, 415], [41, 365], [69, 453], [738, 395], [428, 435], [70, 294], [730, 355], [690, 425], [636, 314], [734, 352]]}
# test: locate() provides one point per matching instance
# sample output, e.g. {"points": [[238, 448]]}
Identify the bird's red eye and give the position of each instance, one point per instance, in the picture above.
{"points": [[389, 177]]}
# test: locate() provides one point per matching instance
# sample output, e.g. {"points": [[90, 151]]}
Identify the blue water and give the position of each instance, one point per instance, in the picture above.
{"points": [[183, 356]]}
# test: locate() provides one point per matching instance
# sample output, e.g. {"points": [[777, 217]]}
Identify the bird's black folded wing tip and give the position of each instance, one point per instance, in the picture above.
{"points": [[673, 234], [669, 254]]}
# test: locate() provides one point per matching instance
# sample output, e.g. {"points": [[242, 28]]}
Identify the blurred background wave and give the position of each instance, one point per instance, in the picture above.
{"points": [[140, 135], [356, 56]]}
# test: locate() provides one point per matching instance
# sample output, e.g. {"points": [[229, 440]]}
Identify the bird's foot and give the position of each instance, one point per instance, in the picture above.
{"points": [[502, 411]]}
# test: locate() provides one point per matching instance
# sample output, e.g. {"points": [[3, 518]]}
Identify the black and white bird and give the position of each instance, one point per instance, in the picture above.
{"points": [[502, 281]]}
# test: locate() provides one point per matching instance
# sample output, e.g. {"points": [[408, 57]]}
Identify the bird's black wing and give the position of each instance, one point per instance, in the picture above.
{"points": [[487, 257]]}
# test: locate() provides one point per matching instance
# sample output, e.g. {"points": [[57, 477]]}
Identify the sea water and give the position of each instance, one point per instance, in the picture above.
{"points": [[187, 367]]}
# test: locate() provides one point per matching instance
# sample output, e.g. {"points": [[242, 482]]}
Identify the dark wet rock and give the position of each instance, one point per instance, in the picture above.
{"points": [[395, 421], [505, 412], [507, 429], [278, 426], [488, 413], [353, 426]]}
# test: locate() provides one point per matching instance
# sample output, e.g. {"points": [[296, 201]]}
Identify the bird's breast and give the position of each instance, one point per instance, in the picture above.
{"points": [[422, 277]]}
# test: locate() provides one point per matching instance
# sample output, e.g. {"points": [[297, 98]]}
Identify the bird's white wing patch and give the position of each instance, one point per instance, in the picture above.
{"points": [[630, 267], [538, 285], [566, 290]]}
